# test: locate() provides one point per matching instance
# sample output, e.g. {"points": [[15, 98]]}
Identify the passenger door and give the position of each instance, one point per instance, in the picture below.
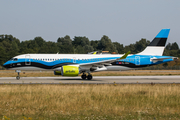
{"points": [[74, 59], [137, 60], [27, 60]]}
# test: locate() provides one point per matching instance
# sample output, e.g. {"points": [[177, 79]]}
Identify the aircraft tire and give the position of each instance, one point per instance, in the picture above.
{"points": [[83, 76], [18, 77], [89, 77]]}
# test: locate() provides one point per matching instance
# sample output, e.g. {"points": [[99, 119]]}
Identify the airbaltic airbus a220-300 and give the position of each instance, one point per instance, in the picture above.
{"points": [[75, 64]]}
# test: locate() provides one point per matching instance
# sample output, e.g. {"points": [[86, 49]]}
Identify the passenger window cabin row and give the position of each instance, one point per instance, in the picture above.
{"points": [[37, 59], [46, 59], [81, 59]]}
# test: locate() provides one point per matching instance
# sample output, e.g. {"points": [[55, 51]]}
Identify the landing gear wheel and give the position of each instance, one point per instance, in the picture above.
{"points": [[18, 77], [83, 76], [89, 77]]}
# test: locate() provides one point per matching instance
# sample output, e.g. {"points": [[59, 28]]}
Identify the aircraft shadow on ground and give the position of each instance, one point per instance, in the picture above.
{"points": [[151, 79], [78, 79]]}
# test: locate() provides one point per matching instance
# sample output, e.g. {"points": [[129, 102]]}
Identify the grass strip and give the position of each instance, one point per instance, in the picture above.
{"points": [[117, 101]]}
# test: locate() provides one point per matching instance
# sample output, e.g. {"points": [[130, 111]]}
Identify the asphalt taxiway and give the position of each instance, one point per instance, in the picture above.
{"points": [[95, 80]]}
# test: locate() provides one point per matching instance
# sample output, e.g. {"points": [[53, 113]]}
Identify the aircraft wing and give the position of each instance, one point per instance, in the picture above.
{"points": [[106, 62]]}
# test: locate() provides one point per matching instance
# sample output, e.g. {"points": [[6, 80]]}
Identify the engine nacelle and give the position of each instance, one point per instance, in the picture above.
{"points": [[70, 71], [57, 72]]}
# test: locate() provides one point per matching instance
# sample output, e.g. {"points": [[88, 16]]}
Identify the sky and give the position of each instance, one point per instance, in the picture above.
{"points": [[123, 21]]}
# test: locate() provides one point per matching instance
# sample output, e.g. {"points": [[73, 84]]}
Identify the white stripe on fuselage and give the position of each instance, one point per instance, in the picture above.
{"points": [[68, 56]]}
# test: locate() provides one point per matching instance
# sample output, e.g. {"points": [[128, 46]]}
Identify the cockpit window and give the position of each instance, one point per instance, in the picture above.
{"points": [[15, 59]]}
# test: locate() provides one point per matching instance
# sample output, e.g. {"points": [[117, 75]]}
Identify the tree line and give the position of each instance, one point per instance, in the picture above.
{"points": [[11, 46]]}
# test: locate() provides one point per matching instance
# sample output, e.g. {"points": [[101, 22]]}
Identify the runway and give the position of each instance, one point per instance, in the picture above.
{"points": [[95, 80]]}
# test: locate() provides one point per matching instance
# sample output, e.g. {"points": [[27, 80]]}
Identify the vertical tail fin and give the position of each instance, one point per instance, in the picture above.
{"points": [[156, 47]]}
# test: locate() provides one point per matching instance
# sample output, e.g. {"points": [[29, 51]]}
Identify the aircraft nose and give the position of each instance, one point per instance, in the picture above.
{"points": [[6, 64]]}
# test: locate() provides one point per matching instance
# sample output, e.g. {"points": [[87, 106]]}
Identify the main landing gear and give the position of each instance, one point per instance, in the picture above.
{"points": [[18, 77], [89, 76]]}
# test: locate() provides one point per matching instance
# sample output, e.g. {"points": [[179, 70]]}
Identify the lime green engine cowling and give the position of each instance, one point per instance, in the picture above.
{"points": [[70, 71], [57, 72]]}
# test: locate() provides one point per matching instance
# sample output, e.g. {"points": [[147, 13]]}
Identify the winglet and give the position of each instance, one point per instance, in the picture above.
{"points": [[94, 53], [125, 55]]}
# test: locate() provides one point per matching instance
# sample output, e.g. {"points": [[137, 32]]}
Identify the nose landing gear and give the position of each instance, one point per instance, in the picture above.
{"points": [[18, 77]]}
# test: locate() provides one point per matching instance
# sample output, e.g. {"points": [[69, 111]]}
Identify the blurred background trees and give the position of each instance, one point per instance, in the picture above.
{"points": [[11, 46]]}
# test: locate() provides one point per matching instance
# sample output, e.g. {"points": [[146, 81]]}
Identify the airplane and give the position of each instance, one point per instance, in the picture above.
{"points": [[75, 64]]}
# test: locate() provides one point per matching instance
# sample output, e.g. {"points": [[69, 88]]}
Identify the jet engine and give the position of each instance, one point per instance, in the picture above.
{"points": [[57, 72], [70, 71]]}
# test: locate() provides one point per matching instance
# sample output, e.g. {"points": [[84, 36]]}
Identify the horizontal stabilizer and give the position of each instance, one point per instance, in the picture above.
{"points": [[161, 59], [158, 59]]}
